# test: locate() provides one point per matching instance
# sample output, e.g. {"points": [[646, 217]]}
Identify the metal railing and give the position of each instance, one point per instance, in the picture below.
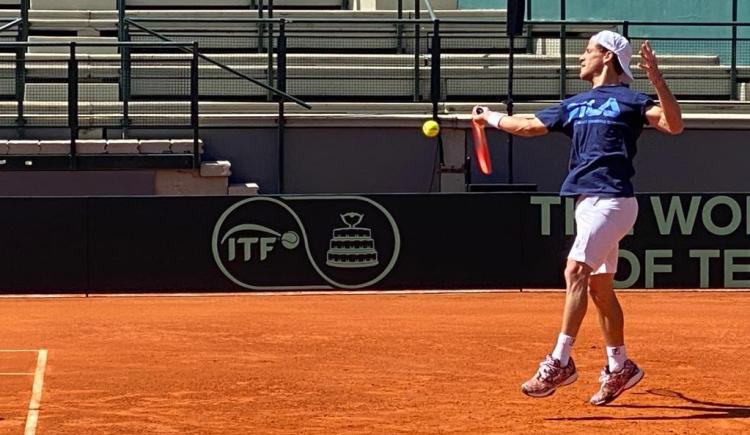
{"points": [[63, 89]]}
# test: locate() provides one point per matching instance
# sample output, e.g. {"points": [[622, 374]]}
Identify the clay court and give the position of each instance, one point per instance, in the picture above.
{"points": [[361, 364]]}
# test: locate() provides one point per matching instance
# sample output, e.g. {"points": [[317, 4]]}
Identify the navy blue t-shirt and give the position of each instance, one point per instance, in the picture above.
{"points": [[604, 124]]}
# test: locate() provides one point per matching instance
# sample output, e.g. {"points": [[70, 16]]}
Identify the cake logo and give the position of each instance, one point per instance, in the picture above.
{"points": [[352, 247], [294, 243]]}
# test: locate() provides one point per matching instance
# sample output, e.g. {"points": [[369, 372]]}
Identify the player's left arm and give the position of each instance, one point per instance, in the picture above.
{"points": [[667, 115]]}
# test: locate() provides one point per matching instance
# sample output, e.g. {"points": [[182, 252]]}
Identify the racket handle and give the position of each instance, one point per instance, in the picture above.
{"points": [[480, 110]]}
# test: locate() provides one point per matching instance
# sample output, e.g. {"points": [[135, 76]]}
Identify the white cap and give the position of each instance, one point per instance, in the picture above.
{"points": [[620, 46]]}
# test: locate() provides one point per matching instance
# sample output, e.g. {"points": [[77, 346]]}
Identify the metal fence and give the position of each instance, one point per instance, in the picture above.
{"points": [[55, 86]]}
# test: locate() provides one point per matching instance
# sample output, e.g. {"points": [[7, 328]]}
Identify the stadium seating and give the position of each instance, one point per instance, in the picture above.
{"points": [[367, 66]]}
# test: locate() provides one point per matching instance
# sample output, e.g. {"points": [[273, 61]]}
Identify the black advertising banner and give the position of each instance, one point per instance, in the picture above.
{"points": [[304, 242], [43, 245], [679, 241], [351, 242]]}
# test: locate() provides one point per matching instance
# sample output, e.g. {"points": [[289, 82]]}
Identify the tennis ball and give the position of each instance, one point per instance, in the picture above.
{"points": [[290, 240], [430, 128]]}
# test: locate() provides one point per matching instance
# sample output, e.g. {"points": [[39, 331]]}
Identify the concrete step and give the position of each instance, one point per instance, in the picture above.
{"points": [[77, 5], [243, 189], [109, 146], [50, 92], [392, 5], [211, 179], [246, 4], [219, 168], [83, 49], [238, 60]]}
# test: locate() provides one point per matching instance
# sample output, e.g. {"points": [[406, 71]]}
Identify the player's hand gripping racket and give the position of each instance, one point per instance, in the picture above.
{"points": [[481, 150]]}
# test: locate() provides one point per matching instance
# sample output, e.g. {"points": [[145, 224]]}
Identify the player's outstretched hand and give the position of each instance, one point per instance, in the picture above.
{"points": [[649, 63]]}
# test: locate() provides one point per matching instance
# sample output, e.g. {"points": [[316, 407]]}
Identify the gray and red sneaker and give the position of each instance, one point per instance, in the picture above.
{"points": [[614, 384], [549, 377]]}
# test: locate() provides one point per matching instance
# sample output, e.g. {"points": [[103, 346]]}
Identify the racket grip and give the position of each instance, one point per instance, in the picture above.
{"points": [[480, 110]]}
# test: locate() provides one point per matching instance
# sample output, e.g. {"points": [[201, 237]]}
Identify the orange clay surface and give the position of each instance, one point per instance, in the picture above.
{"points": [[363, 364]]}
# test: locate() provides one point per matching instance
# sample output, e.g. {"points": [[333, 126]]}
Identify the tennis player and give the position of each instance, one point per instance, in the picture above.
{"points": [[604, 125]]}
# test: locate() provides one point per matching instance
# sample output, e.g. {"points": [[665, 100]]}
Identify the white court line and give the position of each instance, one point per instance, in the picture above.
{"points": [[36, 393]]}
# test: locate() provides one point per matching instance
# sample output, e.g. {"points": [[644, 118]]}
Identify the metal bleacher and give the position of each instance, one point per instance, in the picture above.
{"points": [[335, 54], [350, 58]]}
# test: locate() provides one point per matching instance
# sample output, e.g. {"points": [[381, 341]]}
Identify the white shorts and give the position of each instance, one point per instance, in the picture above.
{"points": [[601, 223]]}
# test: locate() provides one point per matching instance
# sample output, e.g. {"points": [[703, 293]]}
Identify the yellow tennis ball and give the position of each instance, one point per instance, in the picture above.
{"points": [[430, 128]]}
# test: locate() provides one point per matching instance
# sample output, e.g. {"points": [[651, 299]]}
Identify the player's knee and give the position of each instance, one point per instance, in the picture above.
{"points": [[577, 272]]}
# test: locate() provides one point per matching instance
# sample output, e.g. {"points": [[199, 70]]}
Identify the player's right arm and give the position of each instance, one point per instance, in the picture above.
{"points": [[516, 125]]}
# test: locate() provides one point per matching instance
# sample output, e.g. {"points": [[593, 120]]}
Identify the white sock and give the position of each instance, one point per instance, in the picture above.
{"points": [[616, 357], [562, 348]]}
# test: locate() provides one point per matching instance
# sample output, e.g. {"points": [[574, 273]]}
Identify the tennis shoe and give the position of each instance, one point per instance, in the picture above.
{"points": [[614, 384], [549, 377]]}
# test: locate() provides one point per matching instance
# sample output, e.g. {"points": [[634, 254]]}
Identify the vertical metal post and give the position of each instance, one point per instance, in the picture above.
{"points": [[23, 36], [529, 40], [73, 104], [120, 19], [400, 28], [281, 82], [20, 90], [417, 49], [194, 115], [123, 35], [25, 20], [261, 26], [563, 54], [509, 104], [733, 71], [270, 74], [626, 29], [126, 80], [435, 91]]}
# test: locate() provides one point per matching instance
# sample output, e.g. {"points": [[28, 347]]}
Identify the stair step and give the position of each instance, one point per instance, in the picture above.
{"points": [[155, 146], [111, 146], [83, 49], [122, 146], [220, 168], [243, 189], [78, 5], [99, 92]]}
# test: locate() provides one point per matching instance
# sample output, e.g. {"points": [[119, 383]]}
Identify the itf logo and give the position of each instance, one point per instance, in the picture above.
{"points": [[295, 243], [586, 109], [256, 246]]}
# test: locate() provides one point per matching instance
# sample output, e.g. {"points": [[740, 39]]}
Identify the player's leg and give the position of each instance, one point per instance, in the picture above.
{"points": [[620, 373], [576, 296], [611, 321], [558, 368]]}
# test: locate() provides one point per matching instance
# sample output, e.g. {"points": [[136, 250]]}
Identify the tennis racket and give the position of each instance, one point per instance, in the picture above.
{"points": [[481, 150]]}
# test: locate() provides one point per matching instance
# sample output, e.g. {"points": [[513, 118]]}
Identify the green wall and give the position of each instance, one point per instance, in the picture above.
{"points": [[634, 10], [652, 10]]}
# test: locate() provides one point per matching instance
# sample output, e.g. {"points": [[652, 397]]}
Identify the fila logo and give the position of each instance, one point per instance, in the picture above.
{"points": [[610, 109]]}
